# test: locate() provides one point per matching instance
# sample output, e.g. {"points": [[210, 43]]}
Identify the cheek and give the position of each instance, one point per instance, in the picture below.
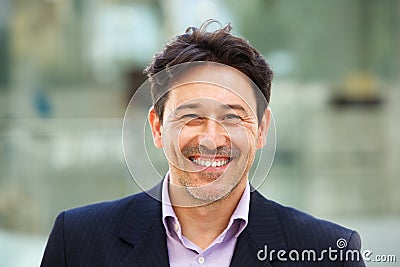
{"points": [[243, 137], [169, 135], [184, 136]]}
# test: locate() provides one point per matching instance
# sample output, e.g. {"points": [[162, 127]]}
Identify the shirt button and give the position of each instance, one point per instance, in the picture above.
{"points": [[176, 227], [201, 259]]}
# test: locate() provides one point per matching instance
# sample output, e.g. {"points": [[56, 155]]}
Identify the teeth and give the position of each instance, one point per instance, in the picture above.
{"points": [[207, 163]]}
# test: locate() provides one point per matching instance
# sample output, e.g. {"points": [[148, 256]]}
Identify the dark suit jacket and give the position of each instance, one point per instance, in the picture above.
{"points": [[129, 232]]}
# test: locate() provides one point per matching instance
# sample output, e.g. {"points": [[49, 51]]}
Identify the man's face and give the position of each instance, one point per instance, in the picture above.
{"points": [[210, 131]]}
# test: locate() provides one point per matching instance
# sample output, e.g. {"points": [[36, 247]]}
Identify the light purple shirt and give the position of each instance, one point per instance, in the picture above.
{"points": [[183, 252]]}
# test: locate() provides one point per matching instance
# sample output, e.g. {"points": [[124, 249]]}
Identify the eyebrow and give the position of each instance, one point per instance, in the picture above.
{"points": [[188, 106], [234, 107], [224, 107]]}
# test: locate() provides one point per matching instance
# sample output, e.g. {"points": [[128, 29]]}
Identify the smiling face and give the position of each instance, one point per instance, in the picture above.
{"points": [[210, 132]]}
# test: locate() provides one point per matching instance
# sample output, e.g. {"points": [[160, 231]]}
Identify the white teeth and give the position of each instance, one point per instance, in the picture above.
{"points": [[206, 163]]}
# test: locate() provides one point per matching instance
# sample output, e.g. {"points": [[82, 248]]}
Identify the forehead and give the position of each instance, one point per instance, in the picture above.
{"points": [[216, 82]]}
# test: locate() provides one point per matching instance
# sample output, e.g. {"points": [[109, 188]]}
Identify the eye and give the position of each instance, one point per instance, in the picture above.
{"points": [[190, 116], [191, 119], [231, 119]]}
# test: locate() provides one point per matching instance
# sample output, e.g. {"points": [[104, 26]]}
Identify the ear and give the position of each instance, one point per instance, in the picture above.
{"points": [[263, 128], [156, 127]]}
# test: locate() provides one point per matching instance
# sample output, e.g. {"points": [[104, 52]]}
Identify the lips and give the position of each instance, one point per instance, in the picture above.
{"points": [[210, 162]]}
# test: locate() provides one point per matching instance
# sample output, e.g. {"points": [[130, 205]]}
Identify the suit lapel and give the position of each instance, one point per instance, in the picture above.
{"points": [[246, 252], [263, 233], [144, 231]]}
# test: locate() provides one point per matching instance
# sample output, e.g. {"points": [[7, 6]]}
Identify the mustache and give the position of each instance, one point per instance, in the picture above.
{"points": [[225, 151]]}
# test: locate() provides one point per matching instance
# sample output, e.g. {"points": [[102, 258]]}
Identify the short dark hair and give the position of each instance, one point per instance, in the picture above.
{"points": [[218, 46]]}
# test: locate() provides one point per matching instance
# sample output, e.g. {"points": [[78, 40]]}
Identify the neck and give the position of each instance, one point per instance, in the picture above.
{"points": [[202, 224]]}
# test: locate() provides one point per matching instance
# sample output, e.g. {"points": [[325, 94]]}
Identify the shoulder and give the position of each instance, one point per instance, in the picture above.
{"points": [[110, 215], [304, 230], [101, 232]]}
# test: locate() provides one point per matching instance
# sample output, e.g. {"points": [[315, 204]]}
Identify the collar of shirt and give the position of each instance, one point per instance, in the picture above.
{"points": [[236, 225]]}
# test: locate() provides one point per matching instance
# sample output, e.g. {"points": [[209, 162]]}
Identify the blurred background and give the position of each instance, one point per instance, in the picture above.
{"points": [[69, 67]]}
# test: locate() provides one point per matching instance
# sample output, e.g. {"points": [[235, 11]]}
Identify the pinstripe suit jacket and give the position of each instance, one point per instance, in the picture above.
{"points": [[129, 232]]}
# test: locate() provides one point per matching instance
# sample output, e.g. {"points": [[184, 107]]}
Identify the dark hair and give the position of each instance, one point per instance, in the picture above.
{"points": [[217, 46]]}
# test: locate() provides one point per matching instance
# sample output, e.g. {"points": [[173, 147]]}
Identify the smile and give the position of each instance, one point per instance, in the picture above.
{"points": [[210, 163]]}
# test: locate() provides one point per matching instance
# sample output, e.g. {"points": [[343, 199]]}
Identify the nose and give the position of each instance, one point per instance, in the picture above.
{"points": [[213, 134]]}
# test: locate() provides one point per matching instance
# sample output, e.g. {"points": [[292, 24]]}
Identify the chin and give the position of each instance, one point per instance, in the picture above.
{"points": [[211, 192]]}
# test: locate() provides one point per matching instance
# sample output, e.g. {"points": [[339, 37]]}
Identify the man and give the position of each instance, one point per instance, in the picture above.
{"points": [[211, 92]]}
